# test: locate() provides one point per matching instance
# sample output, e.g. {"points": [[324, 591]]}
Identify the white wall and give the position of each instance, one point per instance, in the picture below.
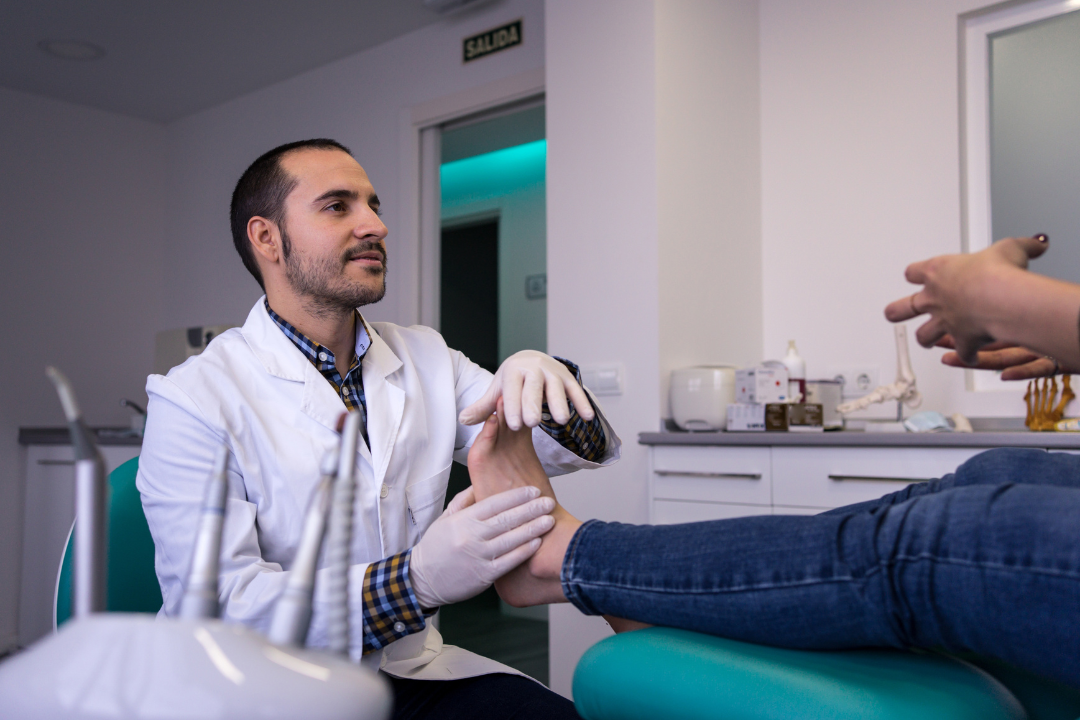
{"points": [[860, 177], [653, 217], [359, 101], [603, 293], [708, 147], [81, 250]]}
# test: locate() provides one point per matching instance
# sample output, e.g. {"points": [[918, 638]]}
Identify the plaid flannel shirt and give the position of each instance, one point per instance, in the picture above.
{"points": [[391, 610]]}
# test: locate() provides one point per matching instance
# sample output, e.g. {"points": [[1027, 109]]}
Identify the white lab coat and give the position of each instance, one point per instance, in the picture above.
{"points": [[253, 390]]}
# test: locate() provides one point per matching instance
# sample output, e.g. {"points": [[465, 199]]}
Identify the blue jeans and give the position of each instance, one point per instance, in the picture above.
{"points": [[985, 560]]}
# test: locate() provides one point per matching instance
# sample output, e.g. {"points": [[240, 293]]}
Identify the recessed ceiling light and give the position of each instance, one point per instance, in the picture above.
{"points": [[449, 7], [72, 49]]}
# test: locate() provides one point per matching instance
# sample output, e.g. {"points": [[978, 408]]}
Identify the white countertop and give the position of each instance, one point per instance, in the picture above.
{"points": [[857, 438]]}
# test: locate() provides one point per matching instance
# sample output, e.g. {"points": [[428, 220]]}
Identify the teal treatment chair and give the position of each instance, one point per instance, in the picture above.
{"points": [[133, 584], [683, 675]]}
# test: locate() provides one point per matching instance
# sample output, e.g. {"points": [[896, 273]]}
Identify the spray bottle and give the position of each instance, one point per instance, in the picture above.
{"points": [[796, 368]]}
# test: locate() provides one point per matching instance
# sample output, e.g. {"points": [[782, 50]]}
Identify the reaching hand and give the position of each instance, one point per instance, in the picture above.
{"points": [[964, 294], [472, 544], [1015, 362], [525, 381]]}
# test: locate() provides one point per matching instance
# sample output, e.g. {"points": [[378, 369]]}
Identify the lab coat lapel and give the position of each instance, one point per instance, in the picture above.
{"points": [[385, 402], [282, 359]]}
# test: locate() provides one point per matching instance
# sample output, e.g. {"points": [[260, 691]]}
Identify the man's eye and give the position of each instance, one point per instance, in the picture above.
{"points": [[336, 207], [377, 211]]}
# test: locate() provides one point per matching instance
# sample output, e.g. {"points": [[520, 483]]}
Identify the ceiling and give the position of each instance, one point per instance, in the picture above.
{"points": [[165, 59]]}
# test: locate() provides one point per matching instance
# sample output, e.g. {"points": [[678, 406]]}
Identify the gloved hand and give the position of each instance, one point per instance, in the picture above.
{"points": [[525, 381], [472, 544]]}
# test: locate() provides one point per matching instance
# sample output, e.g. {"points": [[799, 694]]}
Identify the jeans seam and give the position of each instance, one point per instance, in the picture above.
{"points": [[880, 568], [986, 565], [707, 591]]}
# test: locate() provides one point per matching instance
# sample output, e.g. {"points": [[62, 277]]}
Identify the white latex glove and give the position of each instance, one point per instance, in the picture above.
{"points": [[524, 381], [473, 544]]}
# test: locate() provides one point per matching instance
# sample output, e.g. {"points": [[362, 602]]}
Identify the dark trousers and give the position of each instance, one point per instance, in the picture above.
{"points": [[494, 697]]}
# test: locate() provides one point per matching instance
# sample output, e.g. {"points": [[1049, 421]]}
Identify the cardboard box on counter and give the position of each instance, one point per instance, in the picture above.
{"points": [[745, 417], [761, 385], [804, 417], [774, 417]]}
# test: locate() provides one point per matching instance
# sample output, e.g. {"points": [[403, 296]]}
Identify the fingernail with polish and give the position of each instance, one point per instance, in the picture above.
{"points": [[1043, 238]]}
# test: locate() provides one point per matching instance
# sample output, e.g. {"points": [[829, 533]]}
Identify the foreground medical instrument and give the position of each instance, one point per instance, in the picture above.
{"points": [[90, 487], [117, 665], [292, 614], [201, 593], [339, 542]]}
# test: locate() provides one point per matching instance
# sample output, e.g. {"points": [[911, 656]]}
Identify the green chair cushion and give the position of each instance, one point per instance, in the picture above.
{"points": [[133, 584], [682, 675]]}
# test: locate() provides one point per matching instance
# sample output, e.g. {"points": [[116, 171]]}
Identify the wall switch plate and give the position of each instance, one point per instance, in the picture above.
{"points": [[858, 381], [536, 286], [603, 379]]}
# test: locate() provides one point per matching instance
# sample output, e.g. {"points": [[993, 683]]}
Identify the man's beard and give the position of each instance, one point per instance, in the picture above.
{"points": [[315, 280]]}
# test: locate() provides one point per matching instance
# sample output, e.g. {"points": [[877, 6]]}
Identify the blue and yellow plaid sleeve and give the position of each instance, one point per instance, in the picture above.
{"points": [[391, 610], [585, 439]]}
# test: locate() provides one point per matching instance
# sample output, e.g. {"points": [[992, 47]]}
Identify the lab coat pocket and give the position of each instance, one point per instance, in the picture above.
{"points": [[426, 499]]}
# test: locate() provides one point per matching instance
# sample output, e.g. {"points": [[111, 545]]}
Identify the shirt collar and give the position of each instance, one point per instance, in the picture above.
{"points": [[319, 355]]}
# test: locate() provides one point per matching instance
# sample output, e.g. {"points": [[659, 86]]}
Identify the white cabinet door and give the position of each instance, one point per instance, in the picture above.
{"points": [[714, 474], [830, 477], [50, 510], [670, 512]]}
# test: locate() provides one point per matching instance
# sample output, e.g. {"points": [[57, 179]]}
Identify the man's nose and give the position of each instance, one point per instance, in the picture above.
{"points": [[371, 225]]}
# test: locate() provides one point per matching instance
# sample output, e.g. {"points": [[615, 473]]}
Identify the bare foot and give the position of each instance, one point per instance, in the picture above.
{"points": [[501, 459], [621, 625]]}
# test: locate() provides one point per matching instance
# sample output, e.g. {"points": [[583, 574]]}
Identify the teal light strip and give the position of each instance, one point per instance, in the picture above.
{"points": [[493, 174]]}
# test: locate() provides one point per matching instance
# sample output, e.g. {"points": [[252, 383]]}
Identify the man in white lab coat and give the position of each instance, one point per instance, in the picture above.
{"points": [[305, 221]]}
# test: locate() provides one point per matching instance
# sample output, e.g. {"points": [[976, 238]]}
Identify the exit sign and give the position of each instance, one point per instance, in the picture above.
{"points": [[492, 41]]}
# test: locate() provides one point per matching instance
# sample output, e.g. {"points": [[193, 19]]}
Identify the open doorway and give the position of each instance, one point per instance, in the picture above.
{"points": [[492, 303], [469, 290]]}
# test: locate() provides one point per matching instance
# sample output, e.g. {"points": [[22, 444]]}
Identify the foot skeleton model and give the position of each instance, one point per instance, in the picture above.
{"points": [[903, 390], [1040, 398]]}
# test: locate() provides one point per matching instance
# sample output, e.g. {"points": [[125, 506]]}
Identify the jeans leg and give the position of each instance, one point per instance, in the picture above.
{"points": [[989, 569], [1026, 466]]}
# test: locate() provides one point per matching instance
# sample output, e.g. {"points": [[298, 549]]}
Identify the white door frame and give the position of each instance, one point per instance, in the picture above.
{"points": [[976, 215], [420, 154]]}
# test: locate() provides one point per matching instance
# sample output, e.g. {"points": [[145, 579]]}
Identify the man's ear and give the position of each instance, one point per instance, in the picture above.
{"points": [[264, 238]]}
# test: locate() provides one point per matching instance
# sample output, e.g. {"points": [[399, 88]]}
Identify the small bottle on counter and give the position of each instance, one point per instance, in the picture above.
{"points": [[796, 368]]}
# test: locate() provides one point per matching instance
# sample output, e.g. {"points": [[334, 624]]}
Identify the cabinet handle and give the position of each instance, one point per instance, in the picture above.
{"points": [[691, 473], [876, 478], [55, 462]]}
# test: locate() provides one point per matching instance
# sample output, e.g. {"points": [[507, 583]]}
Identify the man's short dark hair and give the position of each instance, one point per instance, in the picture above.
{"points": [[261, 191]]}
